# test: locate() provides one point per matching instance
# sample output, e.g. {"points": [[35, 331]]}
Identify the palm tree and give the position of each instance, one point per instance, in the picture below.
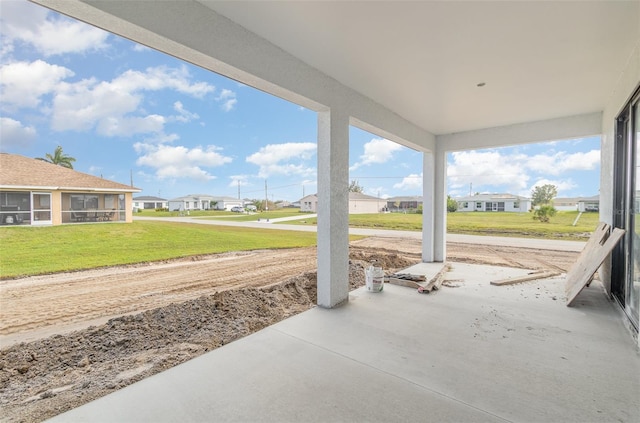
{"points": [[58, 158]]}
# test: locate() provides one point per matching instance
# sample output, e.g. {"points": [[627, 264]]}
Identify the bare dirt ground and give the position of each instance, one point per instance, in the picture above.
{"points": [[69, 338]]}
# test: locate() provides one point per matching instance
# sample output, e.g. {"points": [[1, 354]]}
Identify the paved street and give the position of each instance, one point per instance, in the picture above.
{"points": [[545, 244]]}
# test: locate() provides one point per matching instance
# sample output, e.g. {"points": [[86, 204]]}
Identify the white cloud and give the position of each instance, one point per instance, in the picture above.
{"points": [[49, 34], [161, 78], [126, 126], [22, 84], [140, 48], [14, 133], [561, 185], [487, 168], [161, 137], [375, 191], [228, 99], [108, 106], [560, 162], [285, 159], [411, 182], [515, 171], [238, 180], [177, 162], [184, 115], [377, 151]]}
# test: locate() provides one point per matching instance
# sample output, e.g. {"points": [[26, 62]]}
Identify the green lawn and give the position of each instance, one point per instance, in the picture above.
{"points": [[41, 250], [484, 223], [223, 214], [522, 224], [190, 213], [244, 217]]}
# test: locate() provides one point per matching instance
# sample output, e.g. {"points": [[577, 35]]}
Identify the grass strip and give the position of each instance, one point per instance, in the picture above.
{"points": [[41, 250], [483, 223]]}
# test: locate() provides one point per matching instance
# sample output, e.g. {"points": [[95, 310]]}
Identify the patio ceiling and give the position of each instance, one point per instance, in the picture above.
{"points": [[423, 60], [413, 68]]}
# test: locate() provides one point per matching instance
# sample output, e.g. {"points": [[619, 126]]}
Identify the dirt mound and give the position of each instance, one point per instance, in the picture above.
{"points": [[43, 378], [388, 260]]}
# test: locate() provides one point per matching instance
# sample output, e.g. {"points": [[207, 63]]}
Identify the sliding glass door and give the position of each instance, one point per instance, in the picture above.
{"points": [[625, 277]]}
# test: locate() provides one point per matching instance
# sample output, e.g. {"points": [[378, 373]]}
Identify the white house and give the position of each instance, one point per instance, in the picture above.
{"points": [[309, 203], [227, 203], [581, 204], [494, 202], [404, 203], [146, 202], [191, 202], [358, 203]]}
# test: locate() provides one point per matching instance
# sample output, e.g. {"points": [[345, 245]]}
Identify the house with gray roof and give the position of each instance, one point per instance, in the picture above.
{"points": [[494, 202], [148, 202], [359, 203]]}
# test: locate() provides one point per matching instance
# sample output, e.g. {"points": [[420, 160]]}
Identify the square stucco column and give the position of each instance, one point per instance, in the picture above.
{"points": [[333, 208], [440, 207], [428, 185]]}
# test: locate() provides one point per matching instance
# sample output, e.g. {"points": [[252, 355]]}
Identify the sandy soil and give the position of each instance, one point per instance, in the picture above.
{"points": [[72, 337]]}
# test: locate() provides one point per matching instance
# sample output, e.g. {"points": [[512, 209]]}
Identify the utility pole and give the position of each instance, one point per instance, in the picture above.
{"points": [[238, 189], [470, 189], [266, 197]]}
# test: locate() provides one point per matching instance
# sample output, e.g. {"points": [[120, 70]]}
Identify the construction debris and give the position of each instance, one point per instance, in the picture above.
{"points": [[526, 278], [600, 244], [418, 282]]}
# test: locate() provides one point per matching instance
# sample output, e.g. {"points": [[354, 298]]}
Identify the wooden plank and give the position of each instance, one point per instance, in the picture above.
{"points": [[435, 282], [599, 246], [404, 282], [526, 278], [419, 282]]}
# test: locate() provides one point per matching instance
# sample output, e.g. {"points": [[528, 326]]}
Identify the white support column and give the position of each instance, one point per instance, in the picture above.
{"points": [[333, 208], [440, 207], [428, 185]]}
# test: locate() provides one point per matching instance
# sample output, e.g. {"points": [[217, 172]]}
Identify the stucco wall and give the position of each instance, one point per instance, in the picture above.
{"points": [[628, 82]]}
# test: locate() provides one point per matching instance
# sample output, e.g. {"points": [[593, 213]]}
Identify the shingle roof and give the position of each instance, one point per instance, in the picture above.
{"points": [[24, 172]]}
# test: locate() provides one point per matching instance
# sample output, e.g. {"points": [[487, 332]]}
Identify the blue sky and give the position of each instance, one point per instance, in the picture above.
{"points": [[125, 111]]}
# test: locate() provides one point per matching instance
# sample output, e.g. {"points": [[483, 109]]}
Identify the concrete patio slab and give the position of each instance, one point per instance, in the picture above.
{"points": [[468, 352]]}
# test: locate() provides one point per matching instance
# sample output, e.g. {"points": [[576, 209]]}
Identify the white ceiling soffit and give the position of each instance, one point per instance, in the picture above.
{"points": [[423, 60]]}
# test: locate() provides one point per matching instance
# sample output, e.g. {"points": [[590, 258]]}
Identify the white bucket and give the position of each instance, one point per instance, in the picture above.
{"points": [[374, 279]]}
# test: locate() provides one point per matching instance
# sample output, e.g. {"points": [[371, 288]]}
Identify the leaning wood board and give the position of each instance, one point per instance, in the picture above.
{"points": [[526, 278], [590, 259]]}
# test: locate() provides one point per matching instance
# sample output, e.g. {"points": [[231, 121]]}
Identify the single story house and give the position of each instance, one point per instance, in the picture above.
{"points": [[227, 203], [401, 203], [494, 202], [192, 202], [35, 192], [149, 203], [309, 203], [359, 203], [581, 204]]}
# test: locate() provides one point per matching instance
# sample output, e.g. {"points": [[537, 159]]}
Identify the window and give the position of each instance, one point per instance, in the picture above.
{"points": [[478, 205], [516, 204], [84, 201]]}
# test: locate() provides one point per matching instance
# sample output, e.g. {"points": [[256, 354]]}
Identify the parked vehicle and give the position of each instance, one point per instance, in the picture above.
{"points": [[237, 209]]}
